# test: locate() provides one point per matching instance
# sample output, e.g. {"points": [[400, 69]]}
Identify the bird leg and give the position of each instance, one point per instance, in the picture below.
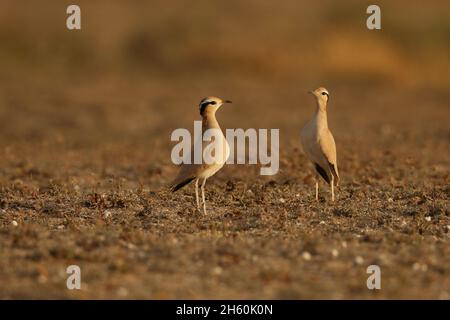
{"points": [[317, 188], [203, 195], [332, 188], [196, 194]]}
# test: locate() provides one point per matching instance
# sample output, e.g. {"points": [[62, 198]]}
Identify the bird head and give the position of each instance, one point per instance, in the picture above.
{"points": [[211, 103], [321, 95]]}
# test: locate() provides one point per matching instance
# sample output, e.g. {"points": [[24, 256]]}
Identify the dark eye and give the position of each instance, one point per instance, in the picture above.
{"points": [[324, 93], [213, 102]]}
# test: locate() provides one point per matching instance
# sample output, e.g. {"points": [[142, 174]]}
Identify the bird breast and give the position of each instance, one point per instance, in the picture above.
{"points": [[218, 150], [310, 137], [220, 155]]}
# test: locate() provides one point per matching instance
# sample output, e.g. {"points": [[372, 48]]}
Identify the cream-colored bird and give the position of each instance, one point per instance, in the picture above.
{"points": [[190, 172], [318, 143]]}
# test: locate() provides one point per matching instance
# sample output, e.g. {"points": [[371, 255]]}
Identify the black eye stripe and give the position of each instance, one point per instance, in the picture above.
{"points": [[205, 104]]}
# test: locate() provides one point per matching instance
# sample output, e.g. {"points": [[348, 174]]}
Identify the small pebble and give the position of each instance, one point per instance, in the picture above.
{"points": [[107, 214], [335, 253], [359, 260], [390, 200], [420, 267], [217, 270], [122, 292], [428, 218], [282, 200], [306, 255], [14, 223], [344, 244]]}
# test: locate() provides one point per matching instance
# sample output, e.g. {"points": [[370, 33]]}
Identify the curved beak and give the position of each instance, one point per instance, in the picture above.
{"points": [[227, 101]]}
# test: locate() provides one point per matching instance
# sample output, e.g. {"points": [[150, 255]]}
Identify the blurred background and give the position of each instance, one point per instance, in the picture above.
{"points": [[138, 69], [89, 111]]}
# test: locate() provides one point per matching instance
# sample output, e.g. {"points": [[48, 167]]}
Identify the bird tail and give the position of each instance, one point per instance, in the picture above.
{"points": [[322, 173], [178, 185]]}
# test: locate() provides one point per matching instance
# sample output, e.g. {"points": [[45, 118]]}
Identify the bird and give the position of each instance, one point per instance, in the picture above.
{"points": [[318, 143], [202, 171]]}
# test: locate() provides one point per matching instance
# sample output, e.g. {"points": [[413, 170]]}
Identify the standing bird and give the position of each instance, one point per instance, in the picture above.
{"points": [[189, 172], [318, 143]]}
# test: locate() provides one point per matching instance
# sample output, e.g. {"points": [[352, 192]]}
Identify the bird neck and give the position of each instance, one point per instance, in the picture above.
{"points": [[321, 114], [209, 120], [321, 105]]}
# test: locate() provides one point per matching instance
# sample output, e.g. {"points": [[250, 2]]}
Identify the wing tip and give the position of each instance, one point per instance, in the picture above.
{"points": [[178, 186], [322, 173]]}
